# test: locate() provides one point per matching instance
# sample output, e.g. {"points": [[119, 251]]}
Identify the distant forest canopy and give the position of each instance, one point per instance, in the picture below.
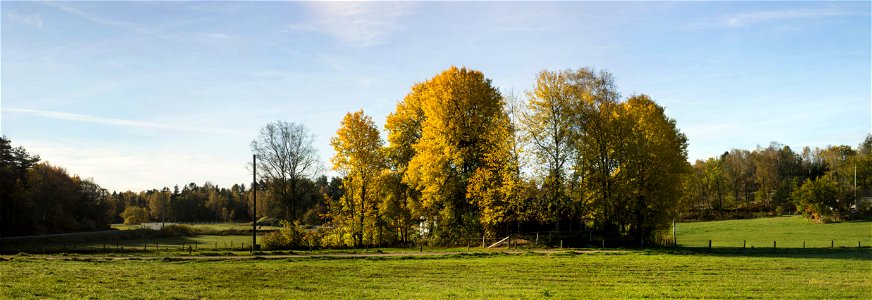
{"points": [[826, 184], [464, 161]]}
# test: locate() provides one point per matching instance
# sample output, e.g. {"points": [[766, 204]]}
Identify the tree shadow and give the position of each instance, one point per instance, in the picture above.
{"points": [[843, 253]]}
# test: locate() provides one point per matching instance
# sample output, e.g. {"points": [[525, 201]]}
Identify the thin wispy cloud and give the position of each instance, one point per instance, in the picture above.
{"points": [[34, 20], [100, 19], [760, 17], [113, 122], [359, 24]]}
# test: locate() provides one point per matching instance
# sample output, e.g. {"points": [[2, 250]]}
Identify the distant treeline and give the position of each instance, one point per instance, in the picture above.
{"points": [[38, 198], [210, 203], [819, 182]]}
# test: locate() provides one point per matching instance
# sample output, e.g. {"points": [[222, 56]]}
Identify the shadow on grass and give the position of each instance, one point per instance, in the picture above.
{"points": [[139, 241], [864, 253]]}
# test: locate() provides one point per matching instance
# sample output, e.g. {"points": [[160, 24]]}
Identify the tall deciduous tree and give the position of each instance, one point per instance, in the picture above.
{"points": [[286, 157], [550, 130], [598, 144], [460, 156], [403, 128], [653, 162], [359, 155]]}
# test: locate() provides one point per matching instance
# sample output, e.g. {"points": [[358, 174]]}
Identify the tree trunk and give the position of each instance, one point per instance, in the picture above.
{"points": [[362, 208]]}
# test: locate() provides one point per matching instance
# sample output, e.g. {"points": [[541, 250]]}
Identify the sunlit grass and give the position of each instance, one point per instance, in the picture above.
{"points": [[786, 232], [632, 274]]}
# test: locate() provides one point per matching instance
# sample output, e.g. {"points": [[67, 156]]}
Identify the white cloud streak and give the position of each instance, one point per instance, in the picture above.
{"points": [[100, 19], [759, 17], [359, 24], [34, 20], [113, 122]]}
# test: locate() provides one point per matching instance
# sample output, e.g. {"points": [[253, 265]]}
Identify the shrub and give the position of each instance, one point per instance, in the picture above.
{"points": [[312, 238], [179, 229], [290, 236], [134, 215], [273, 240]]}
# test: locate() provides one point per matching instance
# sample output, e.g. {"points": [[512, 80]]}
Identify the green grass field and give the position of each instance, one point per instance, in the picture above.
{"points": [[630, 274], [789, 232], [723, 272]]}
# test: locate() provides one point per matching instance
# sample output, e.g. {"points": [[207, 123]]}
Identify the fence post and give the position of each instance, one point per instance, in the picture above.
{"points": [[832, 243], [561, 244], [744, 244], [145, 247], [157, 246], [774, 244], [710, 244]]}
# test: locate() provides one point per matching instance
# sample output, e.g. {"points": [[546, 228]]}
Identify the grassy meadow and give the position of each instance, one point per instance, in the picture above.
{"points": [[527, 273], [628, 274], [788, 231]]}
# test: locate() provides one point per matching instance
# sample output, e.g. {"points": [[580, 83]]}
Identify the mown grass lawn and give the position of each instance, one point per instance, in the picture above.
{"points": [[630, 274], [789, 232]]}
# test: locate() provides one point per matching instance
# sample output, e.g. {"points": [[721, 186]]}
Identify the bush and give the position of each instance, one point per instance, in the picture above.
{"points": [[134, 215], [312, 239], [273, 240], [179, 230], [290, 236]]}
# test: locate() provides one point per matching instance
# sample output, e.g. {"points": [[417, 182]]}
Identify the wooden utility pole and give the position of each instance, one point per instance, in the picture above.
{"points": [[254, 200]]}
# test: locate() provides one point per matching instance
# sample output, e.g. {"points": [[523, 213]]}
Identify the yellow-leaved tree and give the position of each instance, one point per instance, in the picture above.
{"points": [[360, 157], [462, 155], [403, 127], [653, 162]]}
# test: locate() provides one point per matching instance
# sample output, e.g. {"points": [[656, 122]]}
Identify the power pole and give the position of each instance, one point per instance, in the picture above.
{"points": [[856, 200], [254, 206]]}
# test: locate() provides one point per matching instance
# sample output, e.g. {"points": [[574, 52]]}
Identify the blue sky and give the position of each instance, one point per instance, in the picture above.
{"points": [[142, 95]]}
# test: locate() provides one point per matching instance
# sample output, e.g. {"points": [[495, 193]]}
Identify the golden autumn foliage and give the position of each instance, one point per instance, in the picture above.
{"points": [[462, 151], [452, 165], [360, 157]]}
